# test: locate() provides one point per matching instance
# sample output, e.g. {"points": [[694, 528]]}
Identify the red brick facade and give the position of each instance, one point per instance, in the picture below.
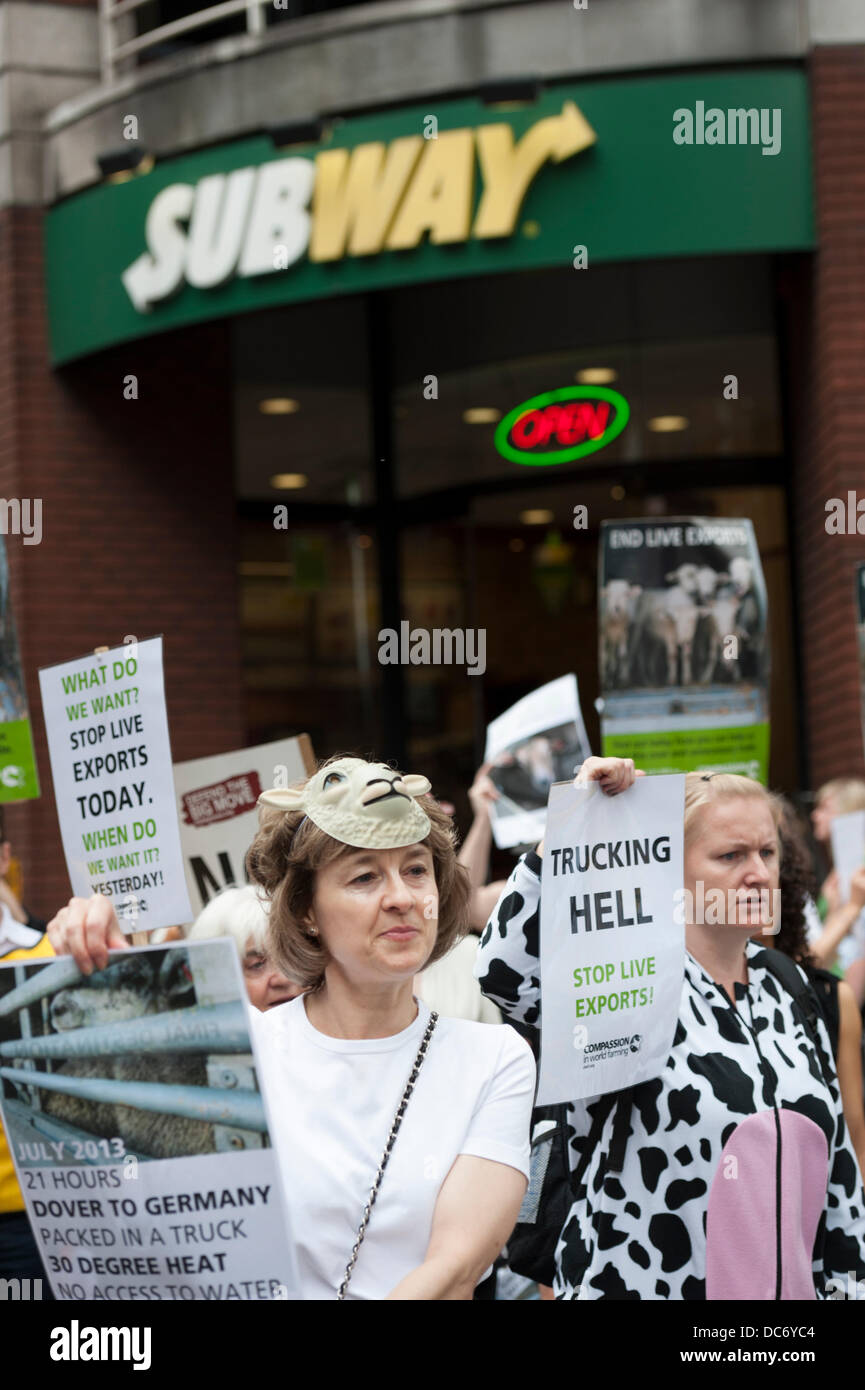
{"points": [[138, 519], [828, 393]]}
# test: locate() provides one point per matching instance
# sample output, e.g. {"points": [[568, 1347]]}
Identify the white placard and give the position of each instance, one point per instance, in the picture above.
{"points": [[111, 763], [612, 951], [132, 1202], [848, 848], [218, 813], [538, 741]]}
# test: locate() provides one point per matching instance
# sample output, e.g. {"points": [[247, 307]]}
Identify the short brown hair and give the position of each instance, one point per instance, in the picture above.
{"points": [[285, 863]]}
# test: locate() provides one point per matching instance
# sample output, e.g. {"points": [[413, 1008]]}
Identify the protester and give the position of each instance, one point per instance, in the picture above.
{"points": [[745, 1091], [241, 914], [839, 797], [837, 1001], [21, 939], [366, 1086]]}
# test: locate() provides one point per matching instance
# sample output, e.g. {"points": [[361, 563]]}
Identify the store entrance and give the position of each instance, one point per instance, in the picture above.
{"points": [[372, 422]]}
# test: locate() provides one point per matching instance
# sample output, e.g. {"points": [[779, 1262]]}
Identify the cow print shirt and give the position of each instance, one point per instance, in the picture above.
{"points": [[642, 1233]]}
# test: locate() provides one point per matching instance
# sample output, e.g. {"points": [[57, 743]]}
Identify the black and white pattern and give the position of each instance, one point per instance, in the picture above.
{"points": [[642, 1233]]}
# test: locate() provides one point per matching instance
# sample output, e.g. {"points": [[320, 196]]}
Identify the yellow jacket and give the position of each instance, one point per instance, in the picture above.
{"points": [[11, 1198]]}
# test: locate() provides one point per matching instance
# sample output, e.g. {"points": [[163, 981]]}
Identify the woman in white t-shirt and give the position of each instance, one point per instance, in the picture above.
{"points": [[365, 892]]}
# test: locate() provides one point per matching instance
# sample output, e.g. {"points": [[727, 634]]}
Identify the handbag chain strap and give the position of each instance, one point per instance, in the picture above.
{"points": [[394, 1130]]}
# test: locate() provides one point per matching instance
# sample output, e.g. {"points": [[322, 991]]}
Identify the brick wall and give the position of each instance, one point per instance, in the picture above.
{"points": [[139, 523], [828, 389]]}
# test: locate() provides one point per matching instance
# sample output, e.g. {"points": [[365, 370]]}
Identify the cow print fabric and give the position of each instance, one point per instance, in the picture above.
{"points": [[642, 1234]]}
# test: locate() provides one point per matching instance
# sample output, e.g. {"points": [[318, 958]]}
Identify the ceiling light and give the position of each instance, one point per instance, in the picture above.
{"points": [[536, 516], [596, 376], [278, 405], [516, 545], [481, 415], [668, 424], [364, 542], [617, 493], [117, 166], [289, 480], [307, 131], [508, 89]]}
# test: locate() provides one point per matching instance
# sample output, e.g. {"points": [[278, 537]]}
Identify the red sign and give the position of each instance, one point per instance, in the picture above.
{"points": [[222, 800]]}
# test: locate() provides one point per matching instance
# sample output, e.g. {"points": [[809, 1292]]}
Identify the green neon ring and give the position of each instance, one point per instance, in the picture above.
{"points": [[576, 451]]}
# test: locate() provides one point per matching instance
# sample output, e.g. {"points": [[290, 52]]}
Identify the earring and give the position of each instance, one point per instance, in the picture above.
{"points": [[313, 931]]}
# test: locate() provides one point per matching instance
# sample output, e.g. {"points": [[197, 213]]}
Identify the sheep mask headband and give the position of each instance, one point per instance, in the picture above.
{"points": [[366, 805]]}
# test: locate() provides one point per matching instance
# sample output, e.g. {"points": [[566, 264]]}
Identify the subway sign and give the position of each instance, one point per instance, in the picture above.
{"points": [[432, 191], [258, 221], [563, 425]]}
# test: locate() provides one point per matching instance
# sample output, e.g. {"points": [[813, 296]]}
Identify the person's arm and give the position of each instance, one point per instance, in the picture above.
{"points": [[87, 929], [507, 963], [476, 1211], [844, 1203], [479, 1201], [830, 893], [849, 1065], [482, 903], [854, 976], [839, 922], [474, 852], [10, 898]]}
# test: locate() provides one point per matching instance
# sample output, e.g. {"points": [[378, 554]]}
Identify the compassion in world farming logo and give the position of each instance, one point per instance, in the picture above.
{"points": [[559, 426]]}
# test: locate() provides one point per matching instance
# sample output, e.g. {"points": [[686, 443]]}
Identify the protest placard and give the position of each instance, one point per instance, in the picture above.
{"points": [[111, 762], [612, 949], [139, 1135], [218, 812], [683, 645], [19, 779], [538, 741], [848, 848], [848, 855]]}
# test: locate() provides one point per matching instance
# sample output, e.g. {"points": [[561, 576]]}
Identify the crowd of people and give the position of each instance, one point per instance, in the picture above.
{"points": [[398, 1053]]}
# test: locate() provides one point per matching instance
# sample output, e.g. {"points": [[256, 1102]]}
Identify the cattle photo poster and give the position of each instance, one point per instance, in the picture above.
{"points": [[107, 733], [538, 741], [217, 808], [684, 645], [612, 936], [140, 1137]]}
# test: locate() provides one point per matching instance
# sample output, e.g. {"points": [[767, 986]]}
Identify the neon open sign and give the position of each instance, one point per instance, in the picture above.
{"points": [[562, 425]]}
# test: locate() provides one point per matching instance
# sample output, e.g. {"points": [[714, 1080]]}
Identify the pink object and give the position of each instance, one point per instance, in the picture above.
{"points": [[742, 1225]]}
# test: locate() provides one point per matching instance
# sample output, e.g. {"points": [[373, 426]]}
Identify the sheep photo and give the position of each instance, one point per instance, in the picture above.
{"points": [[137, 983], [667, 615]]}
